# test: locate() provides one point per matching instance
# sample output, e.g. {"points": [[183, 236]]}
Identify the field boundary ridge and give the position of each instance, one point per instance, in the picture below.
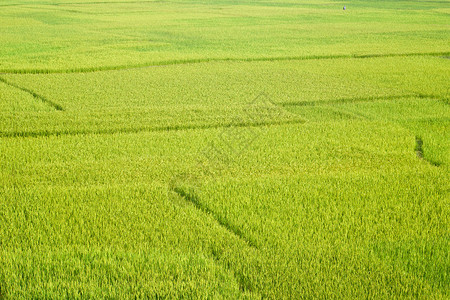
{"points": [[212, 60], [55, 105]]}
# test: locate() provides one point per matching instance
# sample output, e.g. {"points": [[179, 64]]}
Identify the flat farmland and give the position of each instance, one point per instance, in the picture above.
{"points": [[224, 149]]}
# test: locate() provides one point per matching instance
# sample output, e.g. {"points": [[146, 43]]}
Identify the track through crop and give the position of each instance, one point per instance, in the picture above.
{"points": [[211, 60], [56, 106]]}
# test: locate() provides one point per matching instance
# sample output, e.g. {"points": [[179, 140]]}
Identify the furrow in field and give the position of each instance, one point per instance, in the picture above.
{"points": [[56, 106], [16, 134], [360, 99], [419, 151], [190, 197], [444, 99], [211, 60]]}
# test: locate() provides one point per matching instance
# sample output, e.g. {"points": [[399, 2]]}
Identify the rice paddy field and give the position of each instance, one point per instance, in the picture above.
{"points": [[221, 149]]}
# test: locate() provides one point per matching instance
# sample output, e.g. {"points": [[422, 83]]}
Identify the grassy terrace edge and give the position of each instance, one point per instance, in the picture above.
{"points": [[46, 133], [207, 60]]}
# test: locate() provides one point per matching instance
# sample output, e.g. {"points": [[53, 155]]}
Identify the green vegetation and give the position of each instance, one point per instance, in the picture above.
{"points": [[224, 149]]}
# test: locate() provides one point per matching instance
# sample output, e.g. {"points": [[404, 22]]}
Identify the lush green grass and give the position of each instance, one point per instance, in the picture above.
{"points": [[70, 35], [217, 94], [222, 149]]}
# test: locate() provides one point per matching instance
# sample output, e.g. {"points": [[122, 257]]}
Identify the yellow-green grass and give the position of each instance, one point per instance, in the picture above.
{"points": [[215, 94], [45, 36], [225, 150], [306, 210]]}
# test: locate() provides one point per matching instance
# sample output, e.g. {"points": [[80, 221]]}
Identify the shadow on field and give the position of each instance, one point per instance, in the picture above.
{"points": [[420, 154], [191, 197], [56, 106]]}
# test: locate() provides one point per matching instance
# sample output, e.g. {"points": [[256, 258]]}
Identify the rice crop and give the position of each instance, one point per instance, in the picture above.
{"points": [[220, 149]]}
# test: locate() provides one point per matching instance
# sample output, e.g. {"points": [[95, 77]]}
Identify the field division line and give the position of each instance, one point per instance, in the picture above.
{"points": [[56, 106], [212, 60], [45, 133], [360, 99], [192, 198], [420, 154]]}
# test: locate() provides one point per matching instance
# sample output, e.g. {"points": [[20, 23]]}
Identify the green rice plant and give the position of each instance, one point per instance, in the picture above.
{"points": [[221, 149], [66, 36]]}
